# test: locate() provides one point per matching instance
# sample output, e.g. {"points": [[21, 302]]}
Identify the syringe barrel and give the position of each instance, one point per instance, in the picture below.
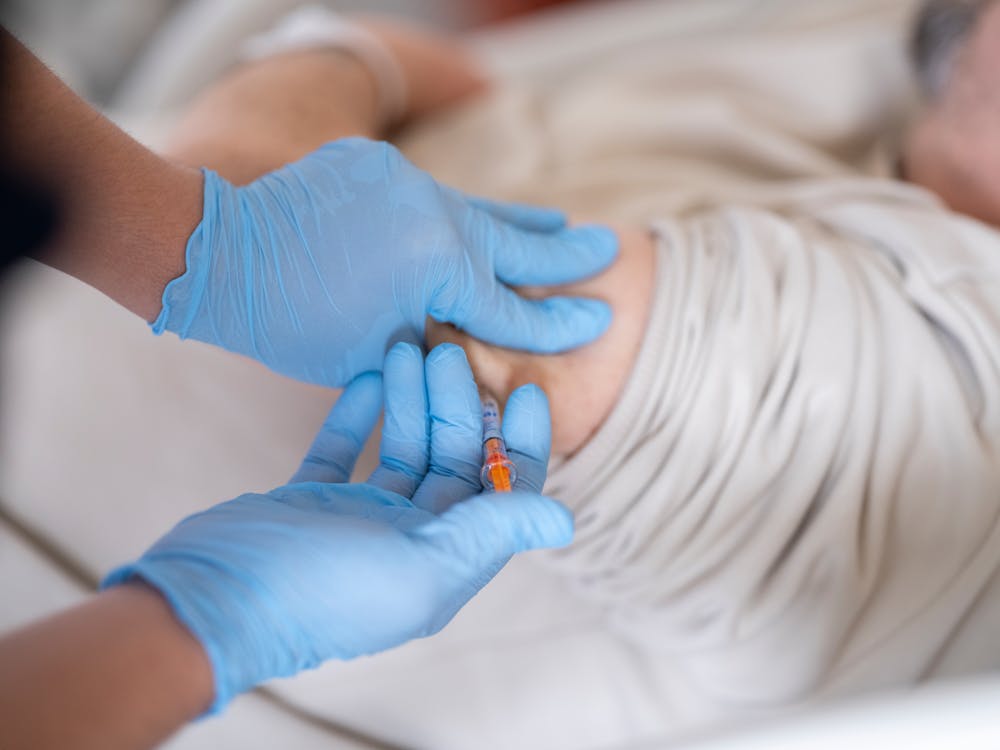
{"points": [[498, 473], [491, 418]]}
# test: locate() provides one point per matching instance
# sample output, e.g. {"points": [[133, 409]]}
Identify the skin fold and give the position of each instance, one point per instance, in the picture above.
{"points": [[583, 385]]}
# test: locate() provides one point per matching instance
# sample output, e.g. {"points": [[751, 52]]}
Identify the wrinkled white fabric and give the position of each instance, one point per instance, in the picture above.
{"points": [[797, 492], [799, 489]]}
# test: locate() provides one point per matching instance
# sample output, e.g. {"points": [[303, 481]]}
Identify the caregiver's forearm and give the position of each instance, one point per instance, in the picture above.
{"points": [[124, 214], [119, 671]]}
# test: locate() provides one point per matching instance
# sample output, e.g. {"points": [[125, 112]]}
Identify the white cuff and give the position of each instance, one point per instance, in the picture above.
{"points": [[317, 27]]}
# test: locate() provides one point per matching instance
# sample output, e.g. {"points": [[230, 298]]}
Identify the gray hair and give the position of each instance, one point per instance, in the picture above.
{"points": [[942, 27]]}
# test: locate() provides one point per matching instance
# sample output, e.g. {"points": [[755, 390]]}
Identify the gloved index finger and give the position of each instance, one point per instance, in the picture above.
{"points": [[339, 442], [528, 258]]}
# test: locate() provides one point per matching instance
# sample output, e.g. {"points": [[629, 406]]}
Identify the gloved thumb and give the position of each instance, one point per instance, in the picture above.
{"points": [[486, 531]]}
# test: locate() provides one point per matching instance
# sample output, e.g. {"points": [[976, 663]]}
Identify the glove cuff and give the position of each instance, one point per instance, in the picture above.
{"points": [[189, 610], [183, 296]]}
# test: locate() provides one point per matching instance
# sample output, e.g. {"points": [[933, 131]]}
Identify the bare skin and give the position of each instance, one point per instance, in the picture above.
{"points": [[125, 216], [954, 150], [119, 671], [125, 212], [271, 112]]}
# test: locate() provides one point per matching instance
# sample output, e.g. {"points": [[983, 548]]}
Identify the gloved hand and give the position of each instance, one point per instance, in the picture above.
{"points": [[272, 584], [317, 268]]}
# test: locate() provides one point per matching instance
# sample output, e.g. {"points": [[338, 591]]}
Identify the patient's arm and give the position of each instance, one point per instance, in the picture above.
{"points": [[267, 113], [118, 671], [273, 111]]}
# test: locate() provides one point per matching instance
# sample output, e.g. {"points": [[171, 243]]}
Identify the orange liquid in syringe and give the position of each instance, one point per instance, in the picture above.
{"points": [[497, 467], [498, 473]]}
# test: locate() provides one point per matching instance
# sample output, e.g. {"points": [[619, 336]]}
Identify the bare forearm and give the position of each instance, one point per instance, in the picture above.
{"points": [[124, 214], [267, 113], [116, 672]]}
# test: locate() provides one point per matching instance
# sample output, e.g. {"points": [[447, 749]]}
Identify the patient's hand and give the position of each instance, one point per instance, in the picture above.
{"points": [[582, 385]]}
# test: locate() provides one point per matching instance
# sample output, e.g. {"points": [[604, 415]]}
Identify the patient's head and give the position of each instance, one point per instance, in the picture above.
{"points": [[954, 148]]}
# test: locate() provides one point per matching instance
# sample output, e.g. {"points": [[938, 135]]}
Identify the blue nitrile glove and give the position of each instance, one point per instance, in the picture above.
{"points": [[275, 583], [317, 268]]}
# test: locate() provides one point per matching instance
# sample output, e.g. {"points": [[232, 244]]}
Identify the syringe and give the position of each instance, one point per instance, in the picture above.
{"points": [[498, 473]]}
